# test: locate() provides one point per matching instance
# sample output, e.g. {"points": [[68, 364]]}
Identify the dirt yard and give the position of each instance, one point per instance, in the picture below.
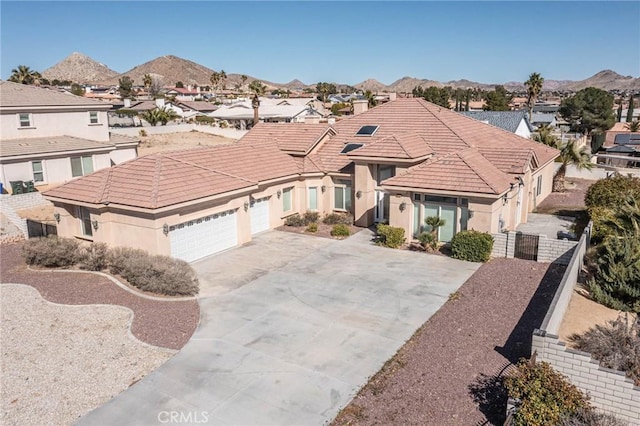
{"points": [[178, 141]]}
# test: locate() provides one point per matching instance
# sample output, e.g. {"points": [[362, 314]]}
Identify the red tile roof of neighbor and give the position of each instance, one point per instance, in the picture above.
{"points": [[465, 156]]}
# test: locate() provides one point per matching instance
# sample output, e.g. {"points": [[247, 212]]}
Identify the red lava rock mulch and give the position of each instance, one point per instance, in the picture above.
{"points": [[168, 324], [571, 199], [443, 374]]}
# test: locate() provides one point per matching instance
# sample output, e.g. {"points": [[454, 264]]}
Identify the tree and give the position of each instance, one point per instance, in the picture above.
{"points": [[257, 87], [155, 87], [433, 94], [244, 79], [534, 87], [325, 89], [497, 100], [545, 135], [24, 75], [630, 110], [223, 79], [125, 86], [619, 113], [570, 154], [589, 109], [215, 79], [371, 98], [147, 81], [179, 85], [466, 102], [77, 90], [633, 126]]}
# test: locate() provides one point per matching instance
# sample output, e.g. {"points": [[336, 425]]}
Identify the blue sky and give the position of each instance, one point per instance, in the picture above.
{"points": [[346, 42]]}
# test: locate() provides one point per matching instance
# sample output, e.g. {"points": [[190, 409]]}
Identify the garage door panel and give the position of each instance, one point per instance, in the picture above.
{"points": [[260, 216], [204, 236]]}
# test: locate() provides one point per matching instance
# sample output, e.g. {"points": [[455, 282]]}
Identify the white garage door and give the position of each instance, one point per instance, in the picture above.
{"points": [[205, 236], [259, 215]]}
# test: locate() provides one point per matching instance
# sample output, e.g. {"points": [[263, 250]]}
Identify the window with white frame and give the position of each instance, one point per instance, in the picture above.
{"points": [[539, 186], [313, 198], [93, 117], [85, 221], [81, 166], [342, 195], [38, 171], [24, 119], [287, 199]]}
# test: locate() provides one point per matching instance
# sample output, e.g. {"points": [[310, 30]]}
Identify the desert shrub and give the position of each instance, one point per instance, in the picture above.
{"points": [[605, 196], [390, 236], [224, 124], [93, 257], [615, 344], [590, 417], [312, 227], [473, 246], [338, 218], [294, 220], [205, 119], [340, 230], [428, 240], [615, 274], [155, 274], [51, 251], [142, 132], [311, 217], [545, 396]]}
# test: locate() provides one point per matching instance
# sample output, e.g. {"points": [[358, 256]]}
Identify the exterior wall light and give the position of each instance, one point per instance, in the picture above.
{"points": [[403, 206], [246, 206], [95, 224], [279, 194], [358, 194], [323, 188], [56, 216], [165, 229]]}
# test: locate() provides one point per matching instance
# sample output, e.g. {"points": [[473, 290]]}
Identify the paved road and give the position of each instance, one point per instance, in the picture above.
{"points": [[291, 327]]}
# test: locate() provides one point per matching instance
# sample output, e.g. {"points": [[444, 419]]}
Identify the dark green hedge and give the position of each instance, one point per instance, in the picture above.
{"points": [[472, 246]]}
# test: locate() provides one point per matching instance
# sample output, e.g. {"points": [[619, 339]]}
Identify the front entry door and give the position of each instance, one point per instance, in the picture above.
{"points": [[382, 207]]}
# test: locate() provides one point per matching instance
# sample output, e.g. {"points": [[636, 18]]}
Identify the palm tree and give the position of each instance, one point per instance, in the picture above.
{"points": [[545, 135], [257, 87], [223, 79], [633, 126], [570, 154], [23, 75], [534, 87], [244, 79], [147, 81]]}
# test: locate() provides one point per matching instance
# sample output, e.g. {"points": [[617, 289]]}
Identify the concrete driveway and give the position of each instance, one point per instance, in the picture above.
{"points": [[291, 327]]}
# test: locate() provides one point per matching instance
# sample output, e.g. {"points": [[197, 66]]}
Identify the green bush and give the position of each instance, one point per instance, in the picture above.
{"points": [[428, 240], [311, 217], [472, 246], [545, 396], [205, 119], [93, 257], [603, 199], [295, 220], [615, 344], [312, 227], [340, 230], [51, 251], [338, 218], [390, 236], [155, 274], [590, 417]]}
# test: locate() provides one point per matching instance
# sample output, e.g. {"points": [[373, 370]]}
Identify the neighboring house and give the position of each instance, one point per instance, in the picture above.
{"points": [[543, 119], [379, 166], [240, 114], [622, 147], [512, 121], [190, 109], [50, 137], [546, 107], [184, 94]]}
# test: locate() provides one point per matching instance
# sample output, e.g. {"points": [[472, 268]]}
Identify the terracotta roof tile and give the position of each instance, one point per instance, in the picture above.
{"points": [[296, 138], [404, 146], [55, 144], [14, 95]]}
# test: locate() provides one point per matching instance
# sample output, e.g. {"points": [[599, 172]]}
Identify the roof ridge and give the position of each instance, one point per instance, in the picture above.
{"points": [[423, 103], [106, 185], [206, 168], [156, 181], [463, 156]]}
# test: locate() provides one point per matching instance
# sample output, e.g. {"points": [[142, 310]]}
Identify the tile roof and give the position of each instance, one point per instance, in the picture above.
{"points": [[58, 144], [462, 171], [506, 120], [295, 138], [199, 105], [404, 146], [14, 95]]}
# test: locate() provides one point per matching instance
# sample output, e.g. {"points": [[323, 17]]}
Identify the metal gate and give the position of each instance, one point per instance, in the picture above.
{"points": [[39, 229], [526, 246]]}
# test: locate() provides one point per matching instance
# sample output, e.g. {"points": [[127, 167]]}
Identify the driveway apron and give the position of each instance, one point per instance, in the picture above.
{"points": [[291, 327]]}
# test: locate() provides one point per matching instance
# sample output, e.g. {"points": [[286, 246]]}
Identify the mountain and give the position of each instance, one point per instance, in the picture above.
{"points": [[295, 84], [371, 84], [79, 68], [407, 84], [169, 69], [606, 80]]}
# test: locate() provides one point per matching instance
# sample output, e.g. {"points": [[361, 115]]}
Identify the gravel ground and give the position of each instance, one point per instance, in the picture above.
{"points": [[571, 199], [442, 376], [60, 362], [168, 324]]}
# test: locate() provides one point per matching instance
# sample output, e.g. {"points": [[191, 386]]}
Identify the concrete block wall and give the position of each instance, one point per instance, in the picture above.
{"points": [[609, 390], [559, 251], [499, 245], [11, 204]]}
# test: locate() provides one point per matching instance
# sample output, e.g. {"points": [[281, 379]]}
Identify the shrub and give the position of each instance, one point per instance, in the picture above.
{"points": [[604, 197], [338, 218], [295, 220], [205, 119], [428, 240], [311, 217], [472, 246], [156, 274], [340, 230], [545, 396], [390, 236], [313, 227], [615, 344], [142, 132], [51, 251], [589, 417], [93, 257]]}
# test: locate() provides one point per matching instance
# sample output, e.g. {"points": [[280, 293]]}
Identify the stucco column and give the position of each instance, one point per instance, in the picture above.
{"points": [[364, 195]]}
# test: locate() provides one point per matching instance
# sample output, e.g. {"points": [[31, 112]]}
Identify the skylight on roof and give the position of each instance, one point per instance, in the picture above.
{"points": [[350, 147], [367, 130]]}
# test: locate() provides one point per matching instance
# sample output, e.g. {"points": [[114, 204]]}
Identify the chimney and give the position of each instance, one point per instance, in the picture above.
{"points": [[189, 87], [255, 103], [360, 106], [160, 102], [127, 103], [392, 96]]}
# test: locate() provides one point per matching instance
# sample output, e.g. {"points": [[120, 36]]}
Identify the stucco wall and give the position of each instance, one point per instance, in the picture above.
{"points": [[178, 128], [56, 124]]}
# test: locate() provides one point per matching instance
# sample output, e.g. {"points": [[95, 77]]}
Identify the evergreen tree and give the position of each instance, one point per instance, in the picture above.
{"points": [[630, 110], [619, 117], [498, 100], [589, 109], [466, 104]]}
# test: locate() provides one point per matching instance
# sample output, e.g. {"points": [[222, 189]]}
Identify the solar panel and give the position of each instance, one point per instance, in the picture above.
{"points": [[350, 147], [367, 130]]}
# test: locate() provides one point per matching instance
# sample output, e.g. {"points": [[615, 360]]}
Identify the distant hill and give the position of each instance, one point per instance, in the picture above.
{"points": [[606, 80], [79, 68], [371, 84], [407, 84], [169, 69]]}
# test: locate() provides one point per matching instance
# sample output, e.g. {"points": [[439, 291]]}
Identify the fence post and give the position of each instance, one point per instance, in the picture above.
{"points": [[511, 244]]}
